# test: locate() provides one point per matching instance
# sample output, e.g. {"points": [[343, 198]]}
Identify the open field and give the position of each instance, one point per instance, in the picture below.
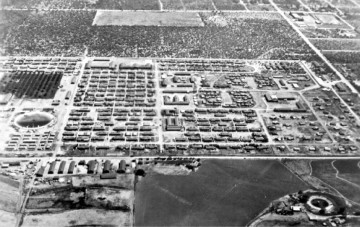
{"points": [[220, 193], [284, 221], [347, 166], [122, 181], [290, 5], [325, 172], [302, 168], [85, 217], [343, 56], [64, 198], [198, 4], [9, 199], [7, 218], [9, 195], [228, 5], [348, 170], [172, 19], [93, 201], [172, 5], [344, 44]]}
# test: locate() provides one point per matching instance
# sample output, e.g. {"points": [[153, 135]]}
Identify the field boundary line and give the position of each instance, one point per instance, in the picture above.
{"points": [[305, 6], [356, 51], [161, 5], [336, 39], [242, 3], [213, 4], [334, 189], [183, 4], [294, 173], [357, 4], [337, 176]]}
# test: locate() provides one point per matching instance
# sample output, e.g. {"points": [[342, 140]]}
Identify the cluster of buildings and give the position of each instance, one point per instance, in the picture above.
{"points": [[242, 99], [217, 128], [176, 100], [106, 169], [110, 124], [209, 98], [111, 88], [202, 65], [46, 64], [31, 141], [197, 148], [285, 66]]}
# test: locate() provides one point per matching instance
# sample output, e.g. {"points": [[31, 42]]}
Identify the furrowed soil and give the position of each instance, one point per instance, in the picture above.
{"points": [[220, 193]]}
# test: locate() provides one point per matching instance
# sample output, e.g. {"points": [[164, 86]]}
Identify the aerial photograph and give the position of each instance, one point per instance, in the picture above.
{"points": [[179, 113]]}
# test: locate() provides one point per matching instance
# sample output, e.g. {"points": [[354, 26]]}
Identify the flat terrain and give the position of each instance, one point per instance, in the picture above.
{"points": [[150, 34], [325, 171], [86, 217], [7, 218], [221, 193], [9, 194], [218, 80], [9, 198], [119, 18]]}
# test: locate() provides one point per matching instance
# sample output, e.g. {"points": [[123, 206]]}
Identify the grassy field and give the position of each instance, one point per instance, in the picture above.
{"points": [[119, 18], [172, 5], [328, 44], [198, 4], [9, 194], [84, 217], [92, 202], [228, 5], [347, 166], [220, 193], [324, 170], [7, 218], [348, 170], [125, 181]]}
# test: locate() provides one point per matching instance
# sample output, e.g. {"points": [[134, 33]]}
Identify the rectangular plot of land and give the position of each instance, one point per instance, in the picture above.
{"points": [[39, 85], [198, 4], [172, 5], [124, 18]]}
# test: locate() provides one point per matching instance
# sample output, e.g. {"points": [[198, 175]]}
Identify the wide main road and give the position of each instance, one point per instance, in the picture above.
{"points": [[280, 157], [320, 54], [315, 49]]}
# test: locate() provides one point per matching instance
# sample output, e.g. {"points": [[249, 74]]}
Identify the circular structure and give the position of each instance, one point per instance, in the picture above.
{"points": [[33, 119], [319, 203]]}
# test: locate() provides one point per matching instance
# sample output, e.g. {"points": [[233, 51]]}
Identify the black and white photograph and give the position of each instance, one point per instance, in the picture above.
{"points": [[179, 113]]}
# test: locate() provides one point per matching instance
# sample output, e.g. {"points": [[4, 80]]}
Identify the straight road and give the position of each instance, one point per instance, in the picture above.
{"points": [[320, 54]]}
